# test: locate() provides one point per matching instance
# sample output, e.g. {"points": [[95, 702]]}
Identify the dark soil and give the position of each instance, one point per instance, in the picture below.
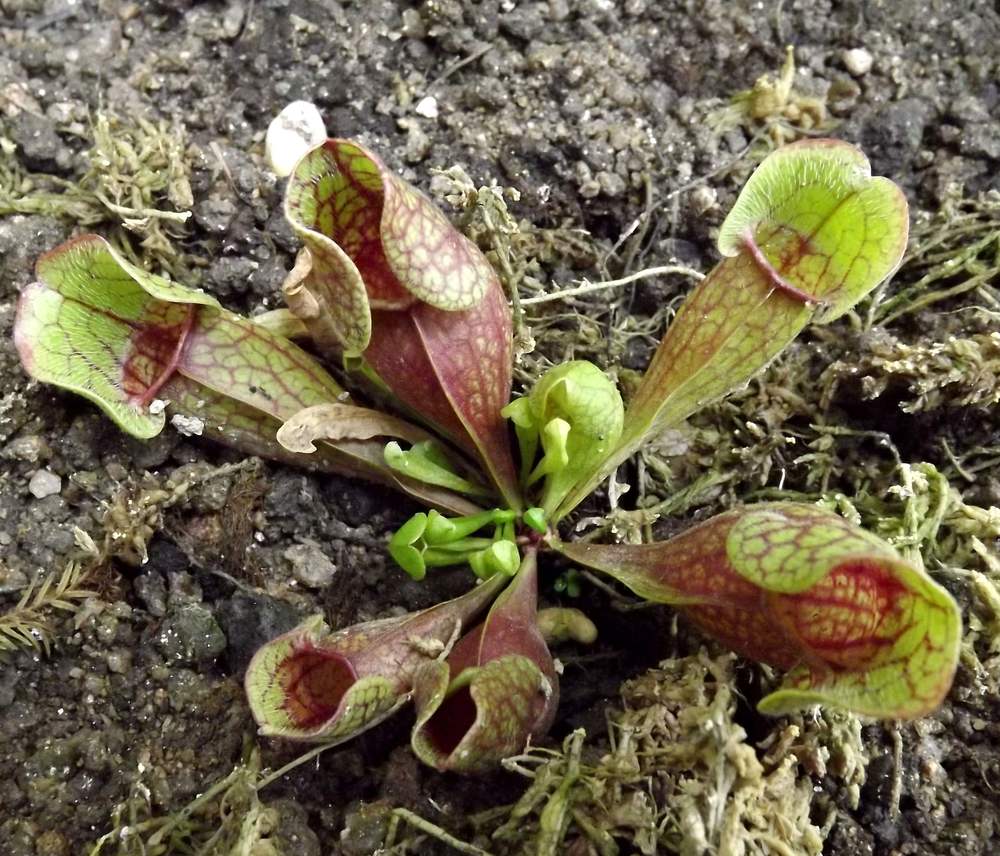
{"points": [[579, 105]]}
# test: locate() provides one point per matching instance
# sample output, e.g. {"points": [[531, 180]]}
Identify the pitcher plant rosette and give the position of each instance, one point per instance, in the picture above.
{"points": [[411, 310]]}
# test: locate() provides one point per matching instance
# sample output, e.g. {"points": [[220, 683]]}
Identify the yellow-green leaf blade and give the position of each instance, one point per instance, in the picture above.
{"points": [[910, 654], [810, 235], [799, 588], [787, 547], [731, 325], [79, 361], [827, 227], [243, 360], [104, 328]]}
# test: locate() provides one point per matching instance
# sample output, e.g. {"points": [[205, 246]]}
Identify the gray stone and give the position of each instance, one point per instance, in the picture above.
{"points": [[294, 837], [611, 183], [524, 22], [251, 619], [215, 214], [119, 661], [11, 580], [152, 591], [413, 25], [558, 10], [231, 275], [190, 634], [980, 141], [893, 135], [44, 483], [30, 448], [365, 828], [38, 143], [99, 45], [310, 565], [22, 238]]}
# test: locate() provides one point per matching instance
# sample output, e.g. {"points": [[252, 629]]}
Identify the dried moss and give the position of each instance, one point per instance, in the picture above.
{"points": [[954, 253], [228, 818], [957, 372], [679, 777], [774, 106], [137, 182]]}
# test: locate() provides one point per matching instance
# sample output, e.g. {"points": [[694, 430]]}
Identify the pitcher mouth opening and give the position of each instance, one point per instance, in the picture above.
{"points": [[315, 684], [452, 721]]}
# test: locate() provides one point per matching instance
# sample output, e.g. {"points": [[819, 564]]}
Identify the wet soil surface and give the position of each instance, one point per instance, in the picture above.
{"points": [[595, 110]]}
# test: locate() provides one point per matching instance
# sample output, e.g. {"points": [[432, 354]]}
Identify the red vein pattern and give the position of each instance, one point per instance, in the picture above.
{"points": [[453, 368], [234, 356], [511, 695], [802, 589], [308, 684], [431, 257], [436, 328], [156, 353], [734, 322], [811, 233], [349, 205]]}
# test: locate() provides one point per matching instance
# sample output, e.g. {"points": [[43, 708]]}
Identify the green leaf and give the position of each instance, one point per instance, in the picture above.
{"points": [[233, 356], [100, 327], [501, 557], [432, 540], [407, 548], [788, 548], [536, 519], [124, 338], [426, 462], [575, 413], [821, 221], [300, 688], [444, 530], [810, 235], [519, 413], [903, 653]]}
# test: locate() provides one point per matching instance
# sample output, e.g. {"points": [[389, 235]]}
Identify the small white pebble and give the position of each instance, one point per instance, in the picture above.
{"points": [[157, 406], [858, 61], [427, 106], [44, 483], [189, 426], [294, 131], [704, 199]]}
